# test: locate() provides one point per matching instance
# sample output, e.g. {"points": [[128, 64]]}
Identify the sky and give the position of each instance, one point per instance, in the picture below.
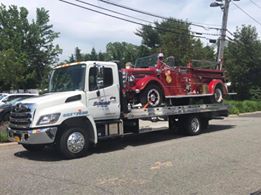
{"points": [[86, 29]]}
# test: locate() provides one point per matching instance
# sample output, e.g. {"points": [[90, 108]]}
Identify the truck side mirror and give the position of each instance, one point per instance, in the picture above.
{"points": [[99, 75]]}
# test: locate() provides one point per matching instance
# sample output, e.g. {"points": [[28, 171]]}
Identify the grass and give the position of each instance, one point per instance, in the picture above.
{"points": [[237, 107], [3, 132]]}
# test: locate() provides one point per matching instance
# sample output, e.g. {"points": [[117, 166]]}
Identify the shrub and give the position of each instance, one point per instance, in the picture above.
{"points": [[3, 136], [3, 132], [237, 107]]}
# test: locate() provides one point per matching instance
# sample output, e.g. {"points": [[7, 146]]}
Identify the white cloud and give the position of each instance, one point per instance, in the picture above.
{"points": [[86, 29]]}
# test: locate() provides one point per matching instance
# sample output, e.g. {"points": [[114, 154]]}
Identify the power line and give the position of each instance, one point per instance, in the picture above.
{"points": [[150, 14], [232, 34], [119, 13], [114, 11], [255, 4], [134, 22], [246, 13]]}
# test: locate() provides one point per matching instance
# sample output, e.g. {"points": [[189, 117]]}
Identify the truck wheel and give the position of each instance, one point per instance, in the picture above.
{"points": [[193, 125], [34, 148], [218, 95], [73, 142], [152, 95]]}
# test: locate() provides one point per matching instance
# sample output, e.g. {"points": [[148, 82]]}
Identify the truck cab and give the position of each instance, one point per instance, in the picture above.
{"points": [[79, 93]]}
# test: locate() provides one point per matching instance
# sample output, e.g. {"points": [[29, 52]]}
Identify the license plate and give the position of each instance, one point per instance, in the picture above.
{"points": [[17, 139]]}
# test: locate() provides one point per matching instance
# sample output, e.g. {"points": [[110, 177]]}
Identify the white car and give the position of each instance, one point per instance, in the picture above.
{"points": [[5, 97]]}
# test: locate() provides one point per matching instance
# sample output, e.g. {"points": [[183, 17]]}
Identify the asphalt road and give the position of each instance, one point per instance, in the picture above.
{"points": [[224, 160]]}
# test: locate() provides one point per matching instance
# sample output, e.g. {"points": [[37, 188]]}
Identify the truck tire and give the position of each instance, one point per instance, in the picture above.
{"points": [[193, 125], [151, 95], [73, 142], [33, 147]]}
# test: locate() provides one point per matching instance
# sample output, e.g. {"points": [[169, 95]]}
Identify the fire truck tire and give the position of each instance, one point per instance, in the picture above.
{"points": [[33, 148], [151, 95], [193, 125], [73, 143], [218, 95]]}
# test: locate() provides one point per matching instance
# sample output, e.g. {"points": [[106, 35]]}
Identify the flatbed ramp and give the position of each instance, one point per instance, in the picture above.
{"points": [[139, 113]]}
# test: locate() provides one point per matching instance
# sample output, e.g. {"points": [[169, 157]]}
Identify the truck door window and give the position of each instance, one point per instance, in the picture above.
{"points": [[100, 79]]}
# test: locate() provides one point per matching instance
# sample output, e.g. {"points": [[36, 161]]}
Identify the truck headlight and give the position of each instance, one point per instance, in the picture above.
{"points": [[48, 119]]}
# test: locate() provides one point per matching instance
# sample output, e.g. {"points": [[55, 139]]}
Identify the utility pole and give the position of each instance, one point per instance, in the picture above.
{"points": [[223, 35]]}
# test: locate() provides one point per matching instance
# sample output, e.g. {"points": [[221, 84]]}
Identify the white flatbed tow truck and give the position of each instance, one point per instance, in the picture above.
{"points": [[81, 108]]}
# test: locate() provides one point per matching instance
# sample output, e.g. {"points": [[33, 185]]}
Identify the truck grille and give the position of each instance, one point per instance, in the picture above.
{"points": [[21, 116]]}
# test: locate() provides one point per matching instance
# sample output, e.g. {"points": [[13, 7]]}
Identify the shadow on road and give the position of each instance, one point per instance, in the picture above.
{"points": [[113, 144], [48, 154], [148, 138]]}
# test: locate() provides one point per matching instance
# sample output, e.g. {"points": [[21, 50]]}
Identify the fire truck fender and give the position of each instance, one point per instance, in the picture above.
{"points": [[143, 83], [217, 83]]}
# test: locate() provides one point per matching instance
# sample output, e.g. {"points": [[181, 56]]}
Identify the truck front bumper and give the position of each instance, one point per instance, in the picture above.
{"points": [[45, 135]]}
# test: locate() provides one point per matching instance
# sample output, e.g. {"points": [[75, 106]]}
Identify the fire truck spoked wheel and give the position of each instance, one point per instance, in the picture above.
{"points": [[152, 95], [218, 95]]}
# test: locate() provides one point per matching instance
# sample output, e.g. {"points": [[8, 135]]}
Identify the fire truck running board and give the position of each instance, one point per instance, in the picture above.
{"points": [[174, 110], [188, 96]]}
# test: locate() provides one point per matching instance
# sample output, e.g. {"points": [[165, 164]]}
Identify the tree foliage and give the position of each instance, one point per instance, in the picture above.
{"points": [[174, 39], [26, 48], [243, 62]]}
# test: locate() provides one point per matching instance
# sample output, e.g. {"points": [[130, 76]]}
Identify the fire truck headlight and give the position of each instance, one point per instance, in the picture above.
{"points": [[131, 78]]}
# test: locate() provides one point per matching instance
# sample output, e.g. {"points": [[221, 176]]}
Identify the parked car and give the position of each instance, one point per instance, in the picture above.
{"points": [[5, 97], [2, 95], [6, 108], [151, 83]]}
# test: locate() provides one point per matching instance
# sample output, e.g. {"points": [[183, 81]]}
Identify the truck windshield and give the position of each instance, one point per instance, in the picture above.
{"points": [[69, 78]]}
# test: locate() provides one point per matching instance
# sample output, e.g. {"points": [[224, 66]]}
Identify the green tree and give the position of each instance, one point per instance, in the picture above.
{"points": [[78, 55], [124, 52], [173, 38], [31, 43], [243, 62], [93, 55]]}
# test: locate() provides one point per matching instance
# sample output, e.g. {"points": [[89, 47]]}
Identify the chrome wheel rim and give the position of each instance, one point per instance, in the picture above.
{"points": [[153, 97], [195, 125], [218, 95], [75, 142]]}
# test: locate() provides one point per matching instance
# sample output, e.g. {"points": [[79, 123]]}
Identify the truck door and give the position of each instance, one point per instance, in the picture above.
{"points": [[103, 97]]}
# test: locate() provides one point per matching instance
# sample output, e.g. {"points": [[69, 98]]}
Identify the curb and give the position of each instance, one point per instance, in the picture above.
{"points": [[245, 113], [7, 144]]}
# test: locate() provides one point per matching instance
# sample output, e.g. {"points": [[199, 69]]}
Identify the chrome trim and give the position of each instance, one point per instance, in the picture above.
{"points": [[75, 142], [22, 115], [34, 136]]}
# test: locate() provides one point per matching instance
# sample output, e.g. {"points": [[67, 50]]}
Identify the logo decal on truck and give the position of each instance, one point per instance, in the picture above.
{"points": [[71, 114], [101, 103]]}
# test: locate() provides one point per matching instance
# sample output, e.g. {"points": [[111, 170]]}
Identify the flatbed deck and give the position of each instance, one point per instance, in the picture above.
{"points": [[141, 113]]}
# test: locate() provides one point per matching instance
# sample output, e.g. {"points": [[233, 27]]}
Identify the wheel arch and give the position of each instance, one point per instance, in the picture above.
{"points": [[216, 83], [142, 84], [84, 122]]}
